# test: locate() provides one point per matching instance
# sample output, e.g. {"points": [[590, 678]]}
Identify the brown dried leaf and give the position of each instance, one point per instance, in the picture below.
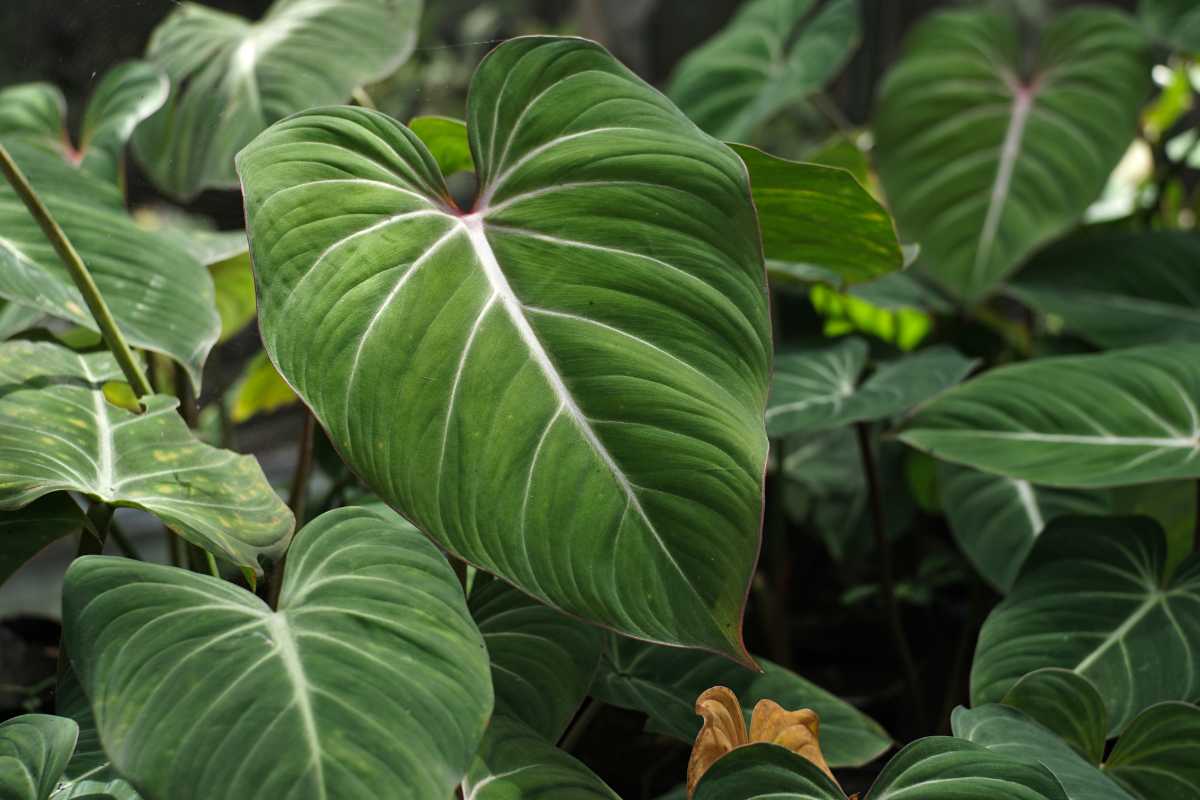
{"points": [[724, 730]]}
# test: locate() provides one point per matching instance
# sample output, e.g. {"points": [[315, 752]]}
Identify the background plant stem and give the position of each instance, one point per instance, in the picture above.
{"points": [[886, 579], [296, 499], [79, 274]]}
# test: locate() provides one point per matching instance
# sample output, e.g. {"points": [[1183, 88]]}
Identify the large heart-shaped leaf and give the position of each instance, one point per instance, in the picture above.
{"points": [[231, 78], [25, 531], [369, 681], [1158, 755], [581, 361], [937, 768], [1066, 703], [58, 433], [515, 761], [1119, 289], [664, 683], [773, 54], [34, 750], [1128, 416], [1006, 730], [996, 519], [1093, 593], [126, 95], [984, 159], [542, 660], [819, 219], [161, 297], [818, 389]]}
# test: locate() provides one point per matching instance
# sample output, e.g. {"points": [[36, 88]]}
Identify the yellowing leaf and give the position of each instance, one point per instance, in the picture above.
{"points": [[724, 731], [259, 391]]}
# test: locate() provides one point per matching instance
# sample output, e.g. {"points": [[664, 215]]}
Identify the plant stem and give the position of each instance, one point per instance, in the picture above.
{"points": [[212, 564], [296, 498], [91, 542], [123, 542], [583, 719], [361, 97], [879, 528], [79, 274]]}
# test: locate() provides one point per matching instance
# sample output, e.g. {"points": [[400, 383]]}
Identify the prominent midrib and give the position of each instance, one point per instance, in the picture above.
{"points": [[513, 307], [1121, 631], [285, 644], [1010, 150]]}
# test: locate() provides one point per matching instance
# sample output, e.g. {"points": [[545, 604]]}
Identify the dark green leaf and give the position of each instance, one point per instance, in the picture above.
{"points": [[1158, 755], [517, 763], [34, 750], [25, 531], [1066, 703]]}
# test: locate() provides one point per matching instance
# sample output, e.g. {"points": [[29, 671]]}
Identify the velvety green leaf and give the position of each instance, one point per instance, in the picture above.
{"points": [[1172, 504], [817, 390], [516, 762], [1174, 22], [126, 95], [996, 519], [582, 361], [984, 159], [765, 772], [1006, 730], [59, 433], [1066, 703], [936, 768], [542, 660], [773, 54], [1158, 755], [664, 683], [1128, 416], [160, 296], [231, 78], [1118, 289], [370, 680], [89, 774], [1090, 597], [815, 216], [34, 750], [447, 141], [260, 390], [25, 531]]}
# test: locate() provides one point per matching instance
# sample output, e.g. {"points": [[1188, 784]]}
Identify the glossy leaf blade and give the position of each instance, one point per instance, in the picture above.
{"points": [[34, 750], [231, 78], [665, 682], [1128, 416], [160, 296], [1158, 755], [981, 164], [774, 53], [1005, 730], [1119, 289], [362, 596], [59, 433], [816, 216], [515, 761], [582, 359], [1092, 593], [542, 661], [996, 519]]}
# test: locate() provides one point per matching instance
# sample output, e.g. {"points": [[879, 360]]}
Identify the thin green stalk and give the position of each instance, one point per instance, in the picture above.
{"points": [[883, 547], [361, 97], [212, 564], [123, 542], [79, 274]]}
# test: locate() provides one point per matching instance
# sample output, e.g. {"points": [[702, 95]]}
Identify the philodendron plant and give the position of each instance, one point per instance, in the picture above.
{"points": [[550, 414]]}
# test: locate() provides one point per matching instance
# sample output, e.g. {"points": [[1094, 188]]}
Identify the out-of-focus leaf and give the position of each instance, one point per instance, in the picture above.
{"points": [[25, 531], [988, 145], [260, 390], [1118, 289], [773, 54], [895, 308], [231, 78], [996, 519], [233, 281], [819, 217], [1173, 22], [447, 141]]}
